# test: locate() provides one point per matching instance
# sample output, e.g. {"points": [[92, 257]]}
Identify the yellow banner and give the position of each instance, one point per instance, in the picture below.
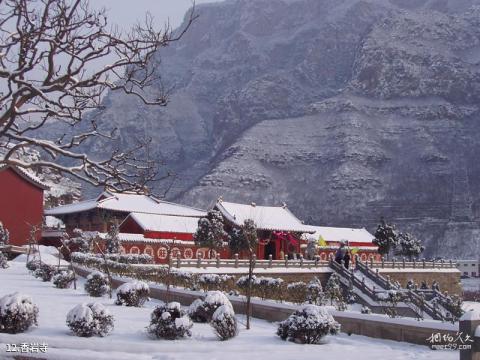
{"points": [[321, 241]]}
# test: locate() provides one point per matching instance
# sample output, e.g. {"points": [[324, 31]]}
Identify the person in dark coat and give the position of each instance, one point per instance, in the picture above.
{"points": [[346, 259], [341, 251]]}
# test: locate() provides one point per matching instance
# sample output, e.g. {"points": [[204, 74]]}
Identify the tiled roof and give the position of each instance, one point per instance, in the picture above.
{"points": [[139, 238], [337, 234], [127, 202], [265, 217], [165, 223], [26, 175]]}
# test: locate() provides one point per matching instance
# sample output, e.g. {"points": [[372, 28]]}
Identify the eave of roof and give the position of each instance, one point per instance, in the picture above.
{"points": [[26, 176], [301, 228]]}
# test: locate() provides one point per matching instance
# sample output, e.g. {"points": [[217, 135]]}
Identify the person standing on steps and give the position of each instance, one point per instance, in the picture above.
{"points": [[341, 251], [346, 258]]}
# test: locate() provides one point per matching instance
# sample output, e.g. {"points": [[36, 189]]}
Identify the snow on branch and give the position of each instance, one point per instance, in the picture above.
{"points": [[50, 52]]}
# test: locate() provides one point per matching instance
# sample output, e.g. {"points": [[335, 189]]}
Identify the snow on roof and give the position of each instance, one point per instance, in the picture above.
{"points": [[337, 234], [265, 217], [128, 202], [165, 223], [139, 238], [26, 175]]}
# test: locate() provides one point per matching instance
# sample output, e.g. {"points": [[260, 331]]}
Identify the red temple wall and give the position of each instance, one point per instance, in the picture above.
{"points": [[21, 206]]}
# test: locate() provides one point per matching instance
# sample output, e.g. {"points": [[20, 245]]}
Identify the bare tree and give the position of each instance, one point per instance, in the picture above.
{"points": [[246, 239], [50, 51]]}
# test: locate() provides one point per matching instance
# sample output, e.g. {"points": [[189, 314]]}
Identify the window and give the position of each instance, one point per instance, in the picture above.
{"points": [[134, 250], [148, 250]]}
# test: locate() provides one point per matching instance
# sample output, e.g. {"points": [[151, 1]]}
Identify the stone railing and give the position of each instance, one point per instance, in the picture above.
{"points": [[414, 264], [236, 262]]}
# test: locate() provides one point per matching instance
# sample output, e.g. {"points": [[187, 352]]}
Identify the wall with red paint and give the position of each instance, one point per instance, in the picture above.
{"points": [[21, 204]]}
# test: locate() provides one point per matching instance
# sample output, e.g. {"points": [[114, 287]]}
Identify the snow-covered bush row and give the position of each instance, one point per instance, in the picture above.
{"points": [[203, 310], [215, 282], [95, 259], [224, 322], [63, 279], [17, 313], [297, 292], [44, 272], [97, 284], [308, 325], [268, 287], [133, 294], [130, 258], [90, 319], [178, 277], [3, 261], [169, 322]]}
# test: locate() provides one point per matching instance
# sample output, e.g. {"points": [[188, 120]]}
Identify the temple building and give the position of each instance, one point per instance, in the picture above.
{"points": [[279, 231], [96, 214], [21, 208]]}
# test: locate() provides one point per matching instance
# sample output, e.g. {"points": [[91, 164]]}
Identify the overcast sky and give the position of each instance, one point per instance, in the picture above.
{"points": [[125, 13]]}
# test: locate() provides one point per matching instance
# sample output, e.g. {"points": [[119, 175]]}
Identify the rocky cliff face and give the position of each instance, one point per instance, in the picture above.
{"points": [[347, 110]]}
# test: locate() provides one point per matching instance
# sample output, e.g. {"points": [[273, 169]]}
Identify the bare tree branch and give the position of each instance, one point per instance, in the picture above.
{"points": [[49, 55]]}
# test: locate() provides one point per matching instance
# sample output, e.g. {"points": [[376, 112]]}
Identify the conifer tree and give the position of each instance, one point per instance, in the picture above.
{"points": [[386, 237], [210, 232]]}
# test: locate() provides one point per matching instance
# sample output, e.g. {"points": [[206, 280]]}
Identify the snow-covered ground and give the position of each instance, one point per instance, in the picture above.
{"points": [[129, 339]]}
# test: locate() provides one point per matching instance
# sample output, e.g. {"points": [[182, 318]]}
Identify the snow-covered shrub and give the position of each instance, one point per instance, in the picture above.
{"points": [[267, 287], [297, 292], [90, 319], [181, 278], [224, 322], [169, 322], [33, 265], [333, 290], [242, 282], [3, 261], [315, 294], [96, 284], [365, 310], [63, 279], [308, 326], [196, 312], [202, 310], [80, 241], [214, 281], [44, 272], [17, 313], [133, 294], [213, 300]]}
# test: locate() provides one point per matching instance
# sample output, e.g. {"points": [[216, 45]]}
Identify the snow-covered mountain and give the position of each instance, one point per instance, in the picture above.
{"points": [[347, 110]]}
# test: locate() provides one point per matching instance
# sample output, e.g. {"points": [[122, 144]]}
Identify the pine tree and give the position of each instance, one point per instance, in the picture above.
{"points": [[210, 232], [333, 290], [386, 237], [410, 246], [113, 242], [4, 235]]}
